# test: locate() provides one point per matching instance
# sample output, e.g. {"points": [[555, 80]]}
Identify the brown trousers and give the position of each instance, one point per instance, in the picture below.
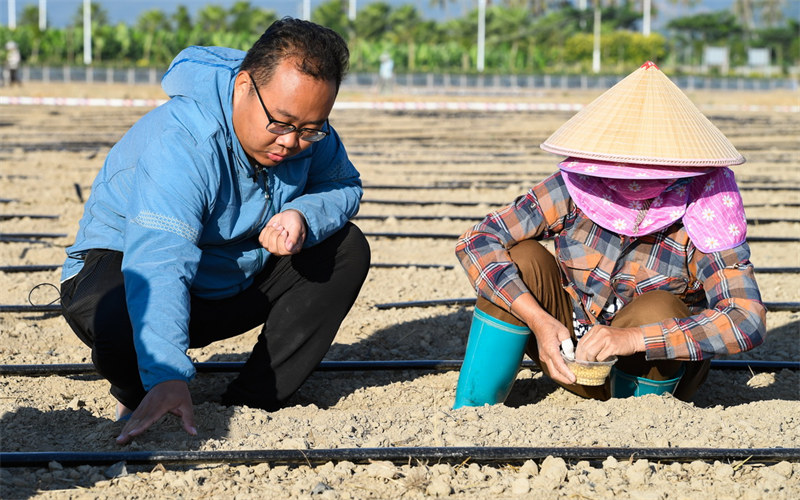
{"points": [[542, 275]]}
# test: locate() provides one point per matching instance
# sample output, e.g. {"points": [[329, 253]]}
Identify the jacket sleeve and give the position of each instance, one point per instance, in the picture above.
{"points": [[333, 191], [734, 321], [161, 254], [483, 249]]}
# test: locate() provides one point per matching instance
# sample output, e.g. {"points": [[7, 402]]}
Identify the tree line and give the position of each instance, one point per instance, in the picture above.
{"points": [[522, 37]]}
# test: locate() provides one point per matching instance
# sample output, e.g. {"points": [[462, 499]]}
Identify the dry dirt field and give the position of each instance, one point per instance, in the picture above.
{"points": [[470, 162]]}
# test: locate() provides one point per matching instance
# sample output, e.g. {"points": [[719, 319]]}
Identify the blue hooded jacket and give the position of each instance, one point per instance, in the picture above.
{"points": [[178, 196]]}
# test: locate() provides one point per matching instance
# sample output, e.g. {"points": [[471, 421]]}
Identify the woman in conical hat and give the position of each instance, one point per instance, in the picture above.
{"points": [[651, 266]]}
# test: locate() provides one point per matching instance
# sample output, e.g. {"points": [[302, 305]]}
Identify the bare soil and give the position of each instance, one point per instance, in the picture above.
{"points": [[49, 157]]}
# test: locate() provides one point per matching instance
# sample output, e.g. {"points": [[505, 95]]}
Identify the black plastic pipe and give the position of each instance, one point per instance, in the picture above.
{"points": [[503, 184], [469, 301], [46, 308], [505, 202], [29, 216], [454, 237], [378, 265], [29, 269], [30, 236], [367, 366], [382, 265], [404, 455], [471, 218]]}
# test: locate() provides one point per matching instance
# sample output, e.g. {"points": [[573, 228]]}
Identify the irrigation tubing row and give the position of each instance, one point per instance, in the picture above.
{"points": [[470, 218], [363, 366], [11, 236], [479, 203], [466, 301], [28, 216], [442, 236], [377, 265], [400, 455], [469, 301], [505, 183]]}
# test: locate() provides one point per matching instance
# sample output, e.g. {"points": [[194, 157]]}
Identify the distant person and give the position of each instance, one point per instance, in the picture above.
{"points": [[651, 263], [386, 74], [225, 209], [13, 60]]}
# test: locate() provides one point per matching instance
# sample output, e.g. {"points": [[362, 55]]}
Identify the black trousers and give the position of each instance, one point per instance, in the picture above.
{"points": [[300, 300]]}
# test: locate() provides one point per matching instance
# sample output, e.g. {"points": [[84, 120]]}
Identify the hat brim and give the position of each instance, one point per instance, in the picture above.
{"points": [[616, 170]]}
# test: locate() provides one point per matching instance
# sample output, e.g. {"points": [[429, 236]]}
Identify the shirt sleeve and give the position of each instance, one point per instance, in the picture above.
{"points": [[161, 254], [333, 191], [483, 249], [734, 321]]}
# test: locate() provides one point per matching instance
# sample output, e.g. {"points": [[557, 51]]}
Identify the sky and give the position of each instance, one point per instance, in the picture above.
{"points": [[61, 12]]}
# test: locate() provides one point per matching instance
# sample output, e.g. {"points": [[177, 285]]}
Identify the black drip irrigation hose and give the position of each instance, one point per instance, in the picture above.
{"points": [[427, 203], [29, 216], [503, 184], [400, 455], [503, 203], [29, 269], [23, 308], [441, 236], [364, 366], [377, 265], [469, 301], [30, 236], [470, 218], [381, 265]]}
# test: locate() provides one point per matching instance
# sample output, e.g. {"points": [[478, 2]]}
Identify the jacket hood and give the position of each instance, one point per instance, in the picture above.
{"points": [[205, 75]]}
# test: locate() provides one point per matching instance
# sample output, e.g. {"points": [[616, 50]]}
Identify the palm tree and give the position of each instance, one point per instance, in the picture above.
{"points": [[406, 27], [772, 12], [212, 18], [181, 19], [151, 22], [743, 9]]}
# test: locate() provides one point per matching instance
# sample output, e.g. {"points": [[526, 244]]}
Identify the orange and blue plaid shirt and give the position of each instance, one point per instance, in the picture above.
{"points": [[600, 267]]}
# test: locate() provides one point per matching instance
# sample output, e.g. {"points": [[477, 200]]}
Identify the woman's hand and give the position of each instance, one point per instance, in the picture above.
{"points": [[549, 333], [602, 342]]}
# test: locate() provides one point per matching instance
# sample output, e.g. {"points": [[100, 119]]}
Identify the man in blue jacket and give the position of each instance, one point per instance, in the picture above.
{"points": [[224, 209]]}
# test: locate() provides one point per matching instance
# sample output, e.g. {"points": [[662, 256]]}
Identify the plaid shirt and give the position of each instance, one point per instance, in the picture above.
{"points": [[598, 265]]}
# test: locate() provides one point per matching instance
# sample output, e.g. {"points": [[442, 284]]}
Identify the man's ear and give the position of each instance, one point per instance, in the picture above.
{"points": [[241, 85]]}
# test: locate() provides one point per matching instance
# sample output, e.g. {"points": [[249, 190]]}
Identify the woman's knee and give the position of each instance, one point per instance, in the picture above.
{"points": [[650, 307]]}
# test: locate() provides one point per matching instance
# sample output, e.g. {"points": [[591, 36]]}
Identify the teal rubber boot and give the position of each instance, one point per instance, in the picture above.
{"points": [[624, 385], [493, 357]]}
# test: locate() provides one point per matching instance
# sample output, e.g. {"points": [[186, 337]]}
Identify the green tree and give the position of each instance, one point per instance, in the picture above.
{"points": [[372, 22], [333, 14], [181, 19], [99, 15], [407, 28], [772, 12], [245, 18], [212, 19], [152, 23]]}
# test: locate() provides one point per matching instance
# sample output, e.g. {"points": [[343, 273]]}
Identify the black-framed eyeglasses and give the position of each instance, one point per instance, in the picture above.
{"points": [[282, 128]]}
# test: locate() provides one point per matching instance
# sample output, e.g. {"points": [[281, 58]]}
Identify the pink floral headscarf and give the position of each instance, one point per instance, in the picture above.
{"points": [[709, 205]]}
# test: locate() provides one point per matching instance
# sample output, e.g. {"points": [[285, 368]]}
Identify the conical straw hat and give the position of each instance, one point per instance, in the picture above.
{"points": [[644, 119]]}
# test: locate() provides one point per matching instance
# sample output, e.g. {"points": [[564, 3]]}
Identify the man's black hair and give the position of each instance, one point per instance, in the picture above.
{"points": [[319, 52]]}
